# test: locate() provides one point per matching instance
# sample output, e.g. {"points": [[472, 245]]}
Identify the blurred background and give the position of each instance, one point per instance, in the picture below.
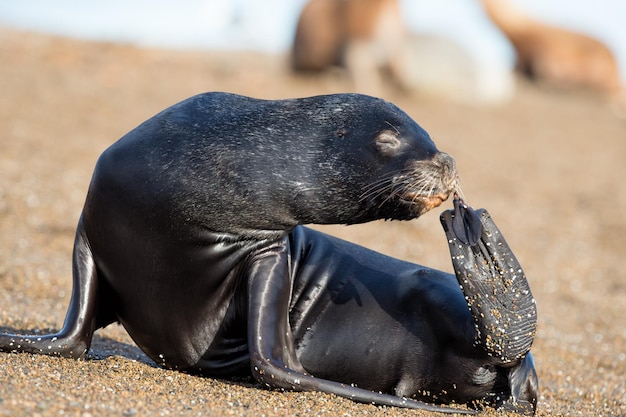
{"points": [[464, 49], [269, 25], [528, 96]]}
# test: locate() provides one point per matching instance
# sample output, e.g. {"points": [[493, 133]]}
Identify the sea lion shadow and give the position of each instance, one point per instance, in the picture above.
{"points": [[102, 347]]}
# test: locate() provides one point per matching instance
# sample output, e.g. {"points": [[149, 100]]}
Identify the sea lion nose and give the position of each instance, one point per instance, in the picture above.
{"points": [[443, 158], [447, 165]]}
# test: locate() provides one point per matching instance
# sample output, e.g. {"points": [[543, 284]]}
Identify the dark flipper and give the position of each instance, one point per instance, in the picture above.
{"points": [[74, 339], [272, 357], [466, 223], [523, 386], [493, 282], [518, 392]]}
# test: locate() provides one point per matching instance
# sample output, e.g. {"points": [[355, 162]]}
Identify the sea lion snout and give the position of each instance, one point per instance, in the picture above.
{"points": [[437, 177], [426, 184], [446, 166], [446, 162]]}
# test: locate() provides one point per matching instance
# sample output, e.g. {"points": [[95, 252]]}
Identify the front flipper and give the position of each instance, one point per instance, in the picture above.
{"points": [[272, 355], [74, 339]]}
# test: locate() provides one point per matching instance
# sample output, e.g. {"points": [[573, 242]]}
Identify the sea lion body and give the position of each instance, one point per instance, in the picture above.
{"points": [[383, 324], [195, 190], [185, 233]]}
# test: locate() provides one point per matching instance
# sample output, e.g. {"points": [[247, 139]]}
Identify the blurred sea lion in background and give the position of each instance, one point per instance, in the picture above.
{"points": [[362, 36], [558, 56], [370, 39]]}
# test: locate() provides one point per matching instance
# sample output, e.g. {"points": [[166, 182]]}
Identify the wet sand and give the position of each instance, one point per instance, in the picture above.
{"points": [[549, 167]]}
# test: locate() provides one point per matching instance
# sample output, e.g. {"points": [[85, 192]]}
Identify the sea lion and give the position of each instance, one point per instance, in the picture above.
{"points": [[558, 56], [379, 323], [185, 227], [364, 36]]}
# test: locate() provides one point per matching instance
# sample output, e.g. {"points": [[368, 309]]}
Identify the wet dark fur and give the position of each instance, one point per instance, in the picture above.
{"points": [[192, 209], [275, 164]]}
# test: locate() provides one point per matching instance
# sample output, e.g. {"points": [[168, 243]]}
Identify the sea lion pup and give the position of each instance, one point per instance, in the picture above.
{"points": [[379, 323], [185, 228]]}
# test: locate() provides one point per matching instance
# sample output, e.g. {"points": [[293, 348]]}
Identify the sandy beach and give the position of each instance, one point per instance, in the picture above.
{"points": [[549, 166]]}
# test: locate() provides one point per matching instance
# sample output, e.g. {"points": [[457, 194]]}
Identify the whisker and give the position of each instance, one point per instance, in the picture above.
{"points": [[392, 126], [381, 184], [418, 181], [456, 186]]}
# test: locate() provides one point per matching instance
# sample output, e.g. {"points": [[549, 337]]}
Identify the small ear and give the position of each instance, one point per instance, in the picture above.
{"points": [[341, 133], [388, 143]]}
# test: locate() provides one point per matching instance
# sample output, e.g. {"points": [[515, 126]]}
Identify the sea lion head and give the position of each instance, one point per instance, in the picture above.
{"points": [[378, 163], [413, 182], [245, 166]]}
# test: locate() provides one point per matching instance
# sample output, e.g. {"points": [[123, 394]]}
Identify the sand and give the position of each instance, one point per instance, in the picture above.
{"points": [[549, 166]]}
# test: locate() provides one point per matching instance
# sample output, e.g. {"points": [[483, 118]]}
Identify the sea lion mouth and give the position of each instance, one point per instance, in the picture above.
{"points": [[429, 202], [435, 181]]}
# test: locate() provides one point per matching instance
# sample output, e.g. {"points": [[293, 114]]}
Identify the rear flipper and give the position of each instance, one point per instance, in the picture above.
{"points": [[272, 355], [523, 384], [74, 339], [519, 395], [493, 282]]}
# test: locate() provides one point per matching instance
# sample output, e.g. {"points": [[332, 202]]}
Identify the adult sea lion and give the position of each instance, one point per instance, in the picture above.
{"points": [[184, 236], [364, 36], [558, 56]]}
